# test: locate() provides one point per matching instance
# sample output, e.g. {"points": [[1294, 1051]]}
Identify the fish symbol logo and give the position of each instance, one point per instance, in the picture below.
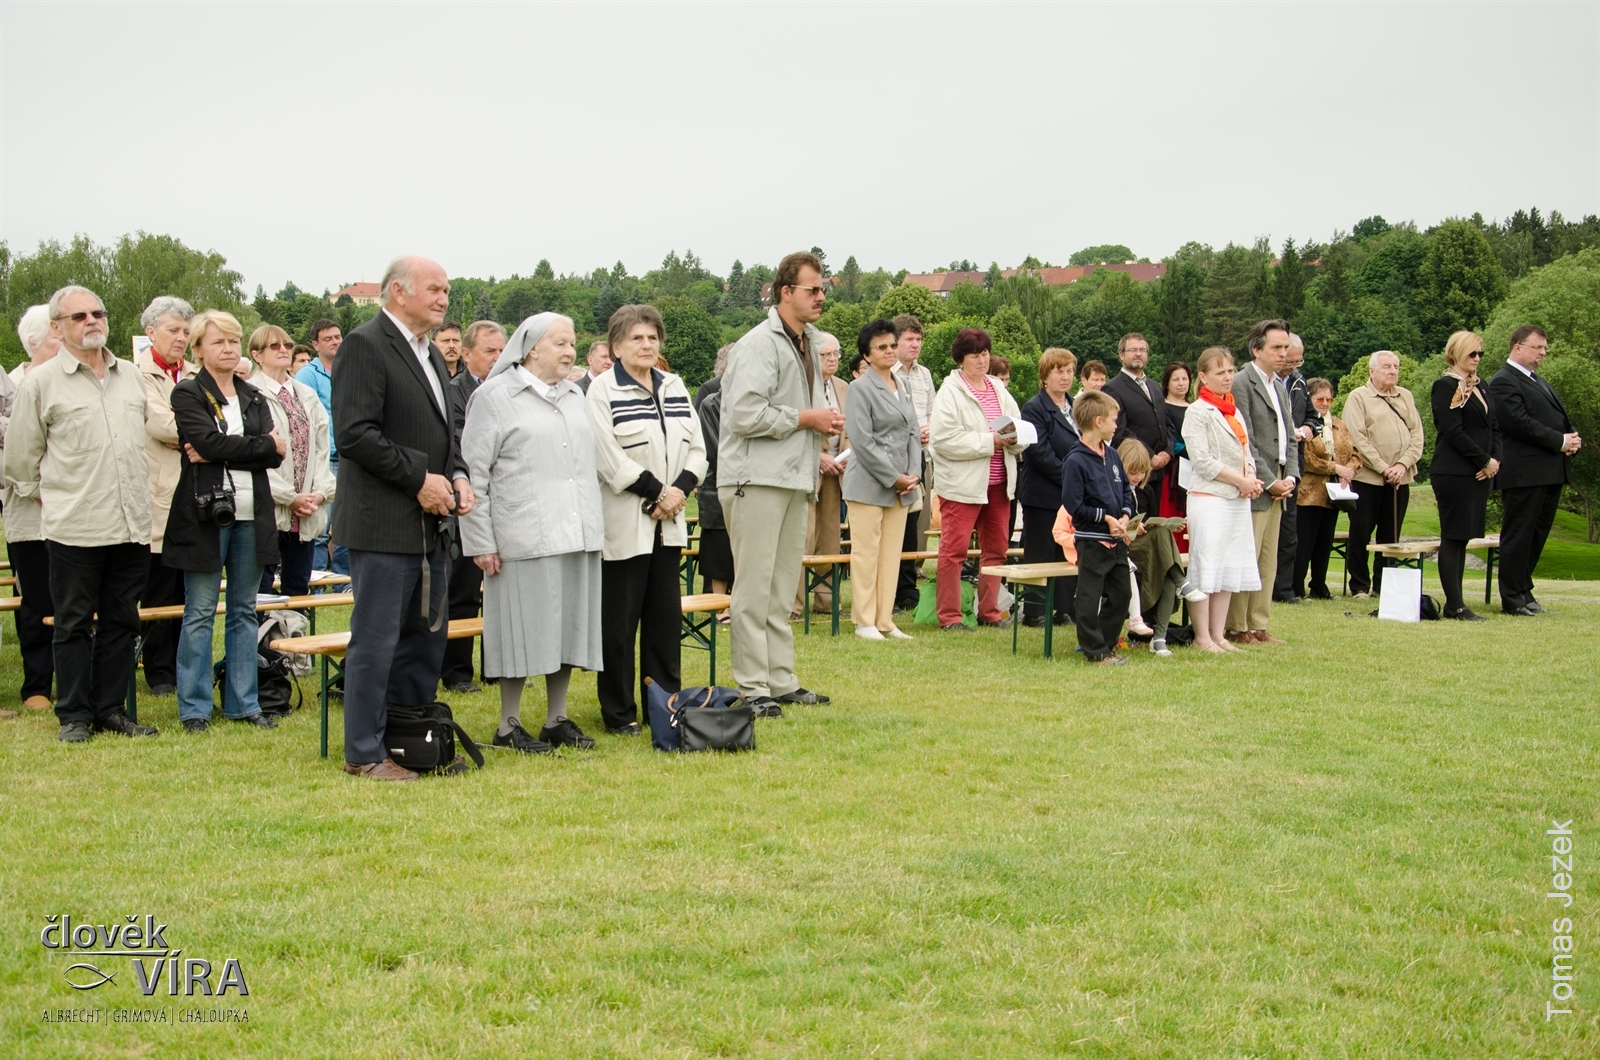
{"points": [[88, 969]]}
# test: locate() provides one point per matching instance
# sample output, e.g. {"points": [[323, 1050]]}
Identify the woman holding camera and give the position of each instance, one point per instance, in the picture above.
{"points": [[222, 517]]}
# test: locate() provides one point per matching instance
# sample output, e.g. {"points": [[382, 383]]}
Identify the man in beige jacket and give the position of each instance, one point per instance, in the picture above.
{"points": [[162, 366], [76, 442], [1387, 434]]}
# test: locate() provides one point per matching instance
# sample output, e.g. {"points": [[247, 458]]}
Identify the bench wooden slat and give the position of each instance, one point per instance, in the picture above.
{"points": [[337, 643], [706, 602]]}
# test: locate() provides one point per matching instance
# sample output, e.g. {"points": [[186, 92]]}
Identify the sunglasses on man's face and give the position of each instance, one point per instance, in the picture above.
{"points": [[79, 318]]}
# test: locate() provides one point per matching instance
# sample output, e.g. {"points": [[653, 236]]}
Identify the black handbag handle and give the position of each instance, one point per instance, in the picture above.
{"points": [[466, 741]]}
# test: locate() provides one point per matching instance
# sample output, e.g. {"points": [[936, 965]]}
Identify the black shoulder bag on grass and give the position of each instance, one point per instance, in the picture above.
{"points": [[423, 739]]}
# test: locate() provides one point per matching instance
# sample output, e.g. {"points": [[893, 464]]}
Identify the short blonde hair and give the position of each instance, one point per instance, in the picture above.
{"points": [[226, 323], [1212, 355], [1135, 457], [1053, 358], [1459, 345], [1091, 405], [263, 337]]}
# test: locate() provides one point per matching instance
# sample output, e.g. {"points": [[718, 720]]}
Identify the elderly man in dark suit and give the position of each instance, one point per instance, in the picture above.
{"points": [[1144, 412], [1267, 410], [1538, 446], [481, 344], [401, 479]]}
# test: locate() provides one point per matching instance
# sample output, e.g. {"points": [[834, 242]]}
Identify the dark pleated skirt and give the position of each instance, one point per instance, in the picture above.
{"points": [[1462, 502]]}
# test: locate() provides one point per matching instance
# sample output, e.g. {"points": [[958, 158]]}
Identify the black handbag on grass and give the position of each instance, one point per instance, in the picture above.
{"points": [[423, 739], [713, 719]]}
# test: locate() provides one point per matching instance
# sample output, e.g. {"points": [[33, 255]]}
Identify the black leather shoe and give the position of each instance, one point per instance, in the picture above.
{"points": [[1539, 609], [258, 719], [766, 707], [1524, 612], [121, 723], [1001, 624], [1465, 614], [805, 698], [1286, 599], [518, 739], [195, 725], [566, 732], [163, 690], [465, 689], [1320, 596], [958, 627], [75, 732], [633, 728], [1035, 622]]}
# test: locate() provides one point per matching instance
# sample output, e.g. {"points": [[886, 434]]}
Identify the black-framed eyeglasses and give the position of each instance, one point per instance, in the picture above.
{"points": [[1475, 353], [79, 318]]}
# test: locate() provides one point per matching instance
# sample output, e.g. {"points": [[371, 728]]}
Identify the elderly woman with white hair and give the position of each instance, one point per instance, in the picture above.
{"points": [[24, 525], [162, 366], [536, 530]]}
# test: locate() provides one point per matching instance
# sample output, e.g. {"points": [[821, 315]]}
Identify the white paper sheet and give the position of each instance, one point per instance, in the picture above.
{"points": [[1401, 599], [1027, 433]]}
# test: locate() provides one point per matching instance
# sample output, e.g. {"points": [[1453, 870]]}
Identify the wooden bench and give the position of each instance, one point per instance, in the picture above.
{"points": [[172, 612], [700, 611], [1035, 574], [333, 646], [1404, 553], [829, 570], [10, 603]]}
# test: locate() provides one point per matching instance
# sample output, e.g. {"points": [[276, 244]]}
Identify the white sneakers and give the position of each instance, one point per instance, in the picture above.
{"points": [[871, 633]]}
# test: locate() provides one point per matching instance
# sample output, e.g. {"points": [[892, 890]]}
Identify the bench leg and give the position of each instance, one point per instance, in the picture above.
{"points": [[1049, 614], [837, 571], [712, 680], [324, 659], [1016, 609]]}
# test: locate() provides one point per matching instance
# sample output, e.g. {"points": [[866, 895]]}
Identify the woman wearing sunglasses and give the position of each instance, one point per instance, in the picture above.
{"points": [[1466, 457]]}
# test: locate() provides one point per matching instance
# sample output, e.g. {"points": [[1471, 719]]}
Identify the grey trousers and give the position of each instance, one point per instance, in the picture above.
{"points": [[767, 528], [393, 657]]}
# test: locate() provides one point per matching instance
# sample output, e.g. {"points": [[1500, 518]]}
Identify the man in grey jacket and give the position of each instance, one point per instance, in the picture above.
{"points": [[769, 463], [1267, 411]]}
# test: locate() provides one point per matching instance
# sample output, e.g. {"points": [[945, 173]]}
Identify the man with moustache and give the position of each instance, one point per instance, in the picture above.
{"points": [[769, 462], [1144, 412]]}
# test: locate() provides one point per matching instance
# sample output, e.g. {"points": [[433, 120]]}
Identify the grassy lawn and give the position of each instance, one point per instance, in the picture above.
{"points": [[1330, 848]]}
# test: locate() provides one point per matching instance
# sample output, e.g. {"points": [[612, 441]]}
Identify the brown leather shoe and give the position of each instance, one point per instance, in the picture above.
{"points": [[384, 770], [36, 703], [1234, 636], [1263, 637]]}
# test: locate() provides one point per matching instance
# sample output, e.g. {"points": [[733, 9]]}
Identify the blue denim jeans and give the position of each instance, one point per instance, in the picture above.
{"points": [[202, 589]]}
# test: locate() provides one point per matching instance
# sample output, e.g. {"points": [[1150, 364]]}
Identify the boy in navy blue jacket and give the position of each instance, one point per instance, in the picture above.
{"points": [[1095, 492]]}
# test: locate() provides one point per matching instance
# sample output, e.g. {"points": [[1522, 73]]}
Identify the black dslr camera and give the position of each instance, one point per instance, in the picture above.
{"points": [[217, 506]]}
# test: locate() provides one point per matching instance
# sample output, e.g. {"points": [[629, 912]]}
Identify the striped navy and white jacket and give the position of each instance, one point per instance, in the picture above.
{"points": [[645, 441]]}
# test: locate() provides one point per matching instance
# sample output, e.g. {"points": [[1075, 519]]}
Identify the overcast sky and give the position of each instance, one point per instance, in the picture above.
{"points": [[314, 141]]}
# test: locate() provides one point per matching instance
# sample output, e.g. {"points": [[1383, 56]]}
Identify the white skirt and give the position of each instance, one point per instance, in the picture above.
{"points": [[1222, 545]]}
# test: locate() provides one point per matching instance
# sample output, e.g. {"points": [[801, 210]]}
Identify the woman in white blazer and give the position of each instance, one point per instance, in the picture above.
{"points": [[649, 452], [303, 485], [1222, 554]]}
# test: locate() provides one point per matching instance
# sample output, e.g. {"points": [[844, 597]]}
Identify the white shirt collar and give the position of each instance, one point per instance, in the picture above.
{"points": [[539, 385], [405, 332], [1525, 370], [266, 384]]}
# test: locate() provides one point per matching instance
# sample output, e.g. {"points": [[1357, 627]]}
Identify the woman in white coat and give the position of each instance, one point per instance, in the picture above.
{"points": [[650, 453], [303, 485], [536, 530]]}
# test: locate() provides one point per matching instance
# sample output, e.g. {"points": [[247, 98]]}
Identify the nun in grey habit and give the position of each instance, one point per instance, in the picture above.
{"points": [[536, 531]]}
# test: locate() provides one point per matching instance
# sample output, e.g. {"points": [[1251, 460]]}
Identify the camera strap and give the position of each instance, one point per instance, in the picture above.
{"points": [[222, 425]]}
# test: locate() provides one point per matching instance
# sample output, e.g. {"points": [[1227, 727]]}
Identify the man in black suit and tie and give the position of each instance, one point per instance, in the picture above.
{"points": [[1144, 414], [481, 344], [401, 476], [1538, 446]]}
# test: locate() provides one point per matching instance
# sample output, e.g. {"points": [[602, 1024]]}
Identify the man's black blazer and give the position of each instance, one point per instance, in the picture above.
{"points": [[1144, 415], [459, 391], [391, 433], [1533, 424]]}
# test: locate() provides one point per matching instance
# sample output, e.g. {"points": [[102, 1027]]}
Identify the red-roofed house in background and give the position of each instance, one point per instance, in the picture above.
{"points": [[360, 294], [941, 283]]}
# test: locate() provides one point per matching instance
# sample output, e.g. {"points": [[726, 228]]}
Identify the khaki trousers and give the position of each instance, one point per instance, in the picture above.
{"points": [[822, 539], [925, 516], [875, 535], [767, 529], [1252, 611]]}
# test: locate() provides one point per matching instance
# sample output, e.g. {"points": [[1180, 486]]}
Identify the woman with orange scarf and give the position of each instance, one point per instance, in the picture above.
{"points": [[1222, 558]]}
